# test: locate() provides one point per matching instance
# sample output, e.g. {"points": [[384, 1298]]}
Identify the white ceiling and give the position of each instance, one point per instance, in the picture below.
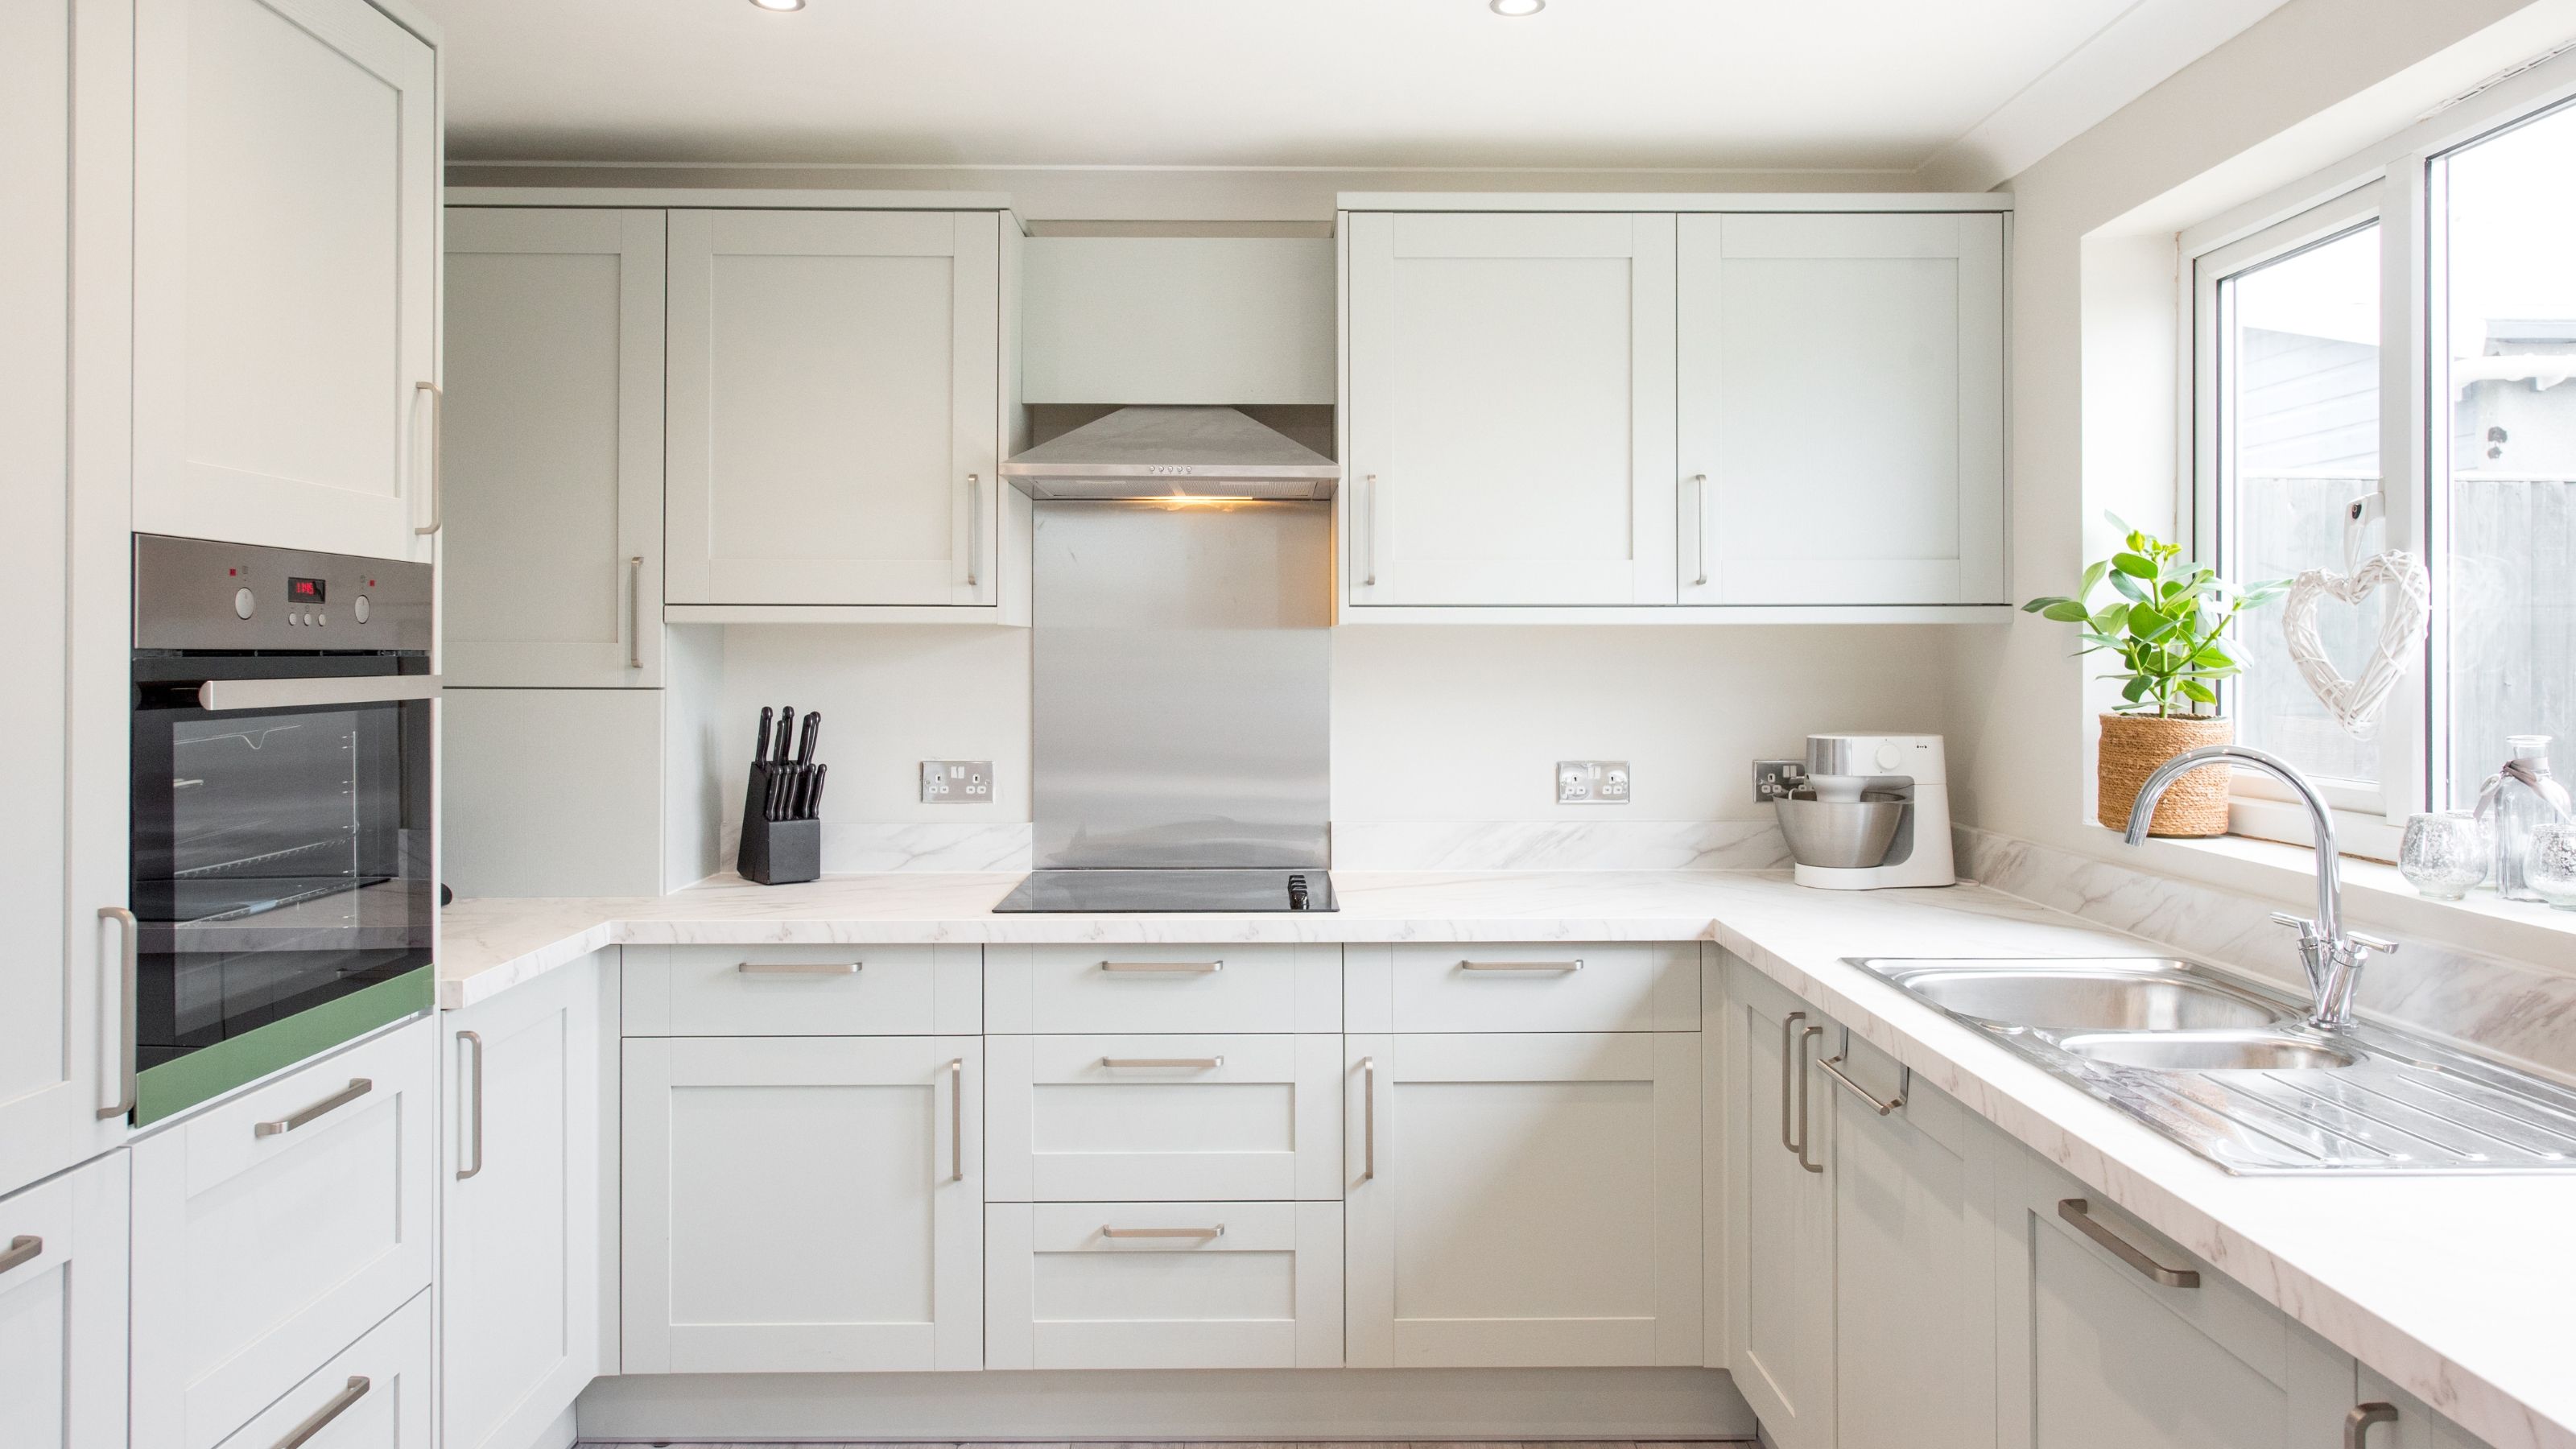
{"points": [[1862, 85]]}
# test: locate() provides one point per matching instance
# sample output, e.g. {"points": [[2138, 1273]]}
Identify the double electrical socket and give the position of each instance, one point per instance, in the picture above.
{"points": [[956, 782], [1592, 782]]}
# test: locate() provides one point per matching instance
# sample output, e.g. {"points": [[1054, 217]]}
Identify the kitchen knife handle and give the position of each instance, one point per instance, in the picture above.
{"points": [[974, 523], [814, 796], [635, 611], [786, 734], [760, 751], [805, 745]]}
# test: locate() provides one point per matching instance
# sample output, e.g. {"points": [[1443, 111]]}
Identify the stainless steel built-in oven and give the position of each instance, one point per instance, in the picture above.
{"points": [[281, 852]]}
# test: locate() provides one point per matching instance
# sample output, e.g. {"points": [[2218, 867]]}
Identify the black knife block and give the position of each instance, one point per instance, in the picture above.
{"points": [[776, 852]]}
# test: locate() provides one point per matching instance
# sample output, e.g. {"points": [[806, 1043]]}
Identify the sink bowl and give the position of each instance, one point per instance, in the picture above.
{"points": [[2148, 995], [2209, 1051]]}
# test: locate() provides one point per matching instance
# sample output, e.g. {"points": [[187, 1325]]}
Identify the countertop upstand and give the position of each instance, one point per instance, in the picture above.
{"points": [[2460, 1289]]}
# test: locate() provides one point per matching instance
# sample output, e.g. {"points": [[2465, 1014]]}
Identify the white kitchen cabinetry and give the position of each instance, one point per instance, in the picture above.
{"points": [[1164, 1285], [373, 1395], [286, 160], [519, 1247], [1165, 1118], [1510, 395], [835, 407], [1780, 1241], [1133, 988], [1523, 1199], [1841, 414], [1555, 986], [553, 438], [275, 1228], [803, 1204], [62, 1310], [761, 990], [2415, 1427]]}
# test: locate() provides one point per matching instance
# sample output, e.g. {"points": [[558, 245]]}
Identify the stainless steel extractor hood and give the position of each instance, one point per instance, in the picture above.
{"points": [[1173, 452]]}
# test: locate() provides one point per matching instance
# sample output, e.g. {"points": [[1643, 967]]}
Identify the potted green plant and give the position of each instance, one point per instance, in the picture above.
{"points": [[2167, 619]]}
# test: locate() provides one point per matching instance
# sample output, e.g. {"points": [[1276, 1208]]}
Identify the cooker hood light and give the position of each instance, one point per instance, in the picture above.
{"points": [[1180, 455]]}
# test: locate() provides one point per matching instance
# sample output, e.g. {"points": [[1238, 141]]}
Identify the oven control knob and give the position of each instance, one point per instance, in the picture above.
{"points": [[243, 603], [358, 607]]}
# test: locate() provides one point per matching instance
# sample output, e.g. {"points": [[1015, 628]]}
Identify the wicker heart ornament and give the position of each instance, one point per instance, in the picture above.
{"points": [[2355, 702]]}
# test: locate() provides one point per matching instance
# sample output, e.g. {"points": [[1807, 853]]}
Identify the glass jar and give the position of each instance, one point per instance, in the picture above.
{"points": [[2521, 798], [2550, 868], [2444, 854]]}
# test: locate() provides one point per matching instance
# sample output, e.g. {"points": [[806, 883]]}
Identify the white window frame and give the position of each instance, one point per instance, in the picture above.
{"points": [[2399, 183]]}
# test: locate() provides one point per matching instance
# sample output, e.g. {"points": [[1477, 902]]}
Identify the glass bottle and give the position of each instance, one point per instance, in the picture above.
{"points": [[2522, 796]]}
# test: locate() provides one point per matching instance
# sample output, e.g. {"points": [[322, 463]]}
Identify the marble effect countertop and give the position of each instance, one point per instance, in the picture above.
{"points": [[2460, 1289]]}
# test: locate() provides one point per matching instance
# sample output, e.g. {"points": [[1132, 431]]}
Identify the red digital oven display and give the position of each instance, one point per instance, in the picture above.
{"points": [[304, 591]]}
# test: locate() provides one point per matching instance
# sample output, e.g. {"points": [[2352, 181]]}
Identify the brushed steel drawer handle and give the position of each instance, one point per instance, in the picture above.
{"points": [[1166, 968], [476, 1038], [1806, 1053], [2078, 1211], [1368, 1119], [358, 1087], [2356, 1425], [956, 1119], [1200, 1234], [1788, 1042], [129, 965], [1196, 1064], [22, 1249], [322, 1417], [1556, 966], [635, 611], [800, 968], [437, 453], [1833, 1066]]}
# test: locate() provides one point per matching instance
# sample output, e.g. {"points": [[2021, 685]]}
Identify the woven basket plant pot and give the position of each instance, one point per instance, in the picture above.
{"points": [[2133, 745]]}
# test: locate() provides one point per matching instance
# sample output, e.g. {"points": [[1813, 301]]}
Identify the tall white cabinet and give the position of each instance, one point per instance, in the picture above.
{"points": [[286, 158], [62, 1310]]}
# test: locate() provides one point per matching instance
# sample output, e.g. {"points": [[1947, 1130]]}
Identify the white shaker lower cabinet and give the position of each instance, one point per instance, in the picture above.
{"points": [[1780, 1243], [62, 1310], [275, 1228], [1523, 1199], [1163, 1285], [519, 1260], [2413, 1427], [373, 1395], [835, 407], [803, 1204], [1165, 1118], [1841, 408], [1510, 401], [2113, 1338]]}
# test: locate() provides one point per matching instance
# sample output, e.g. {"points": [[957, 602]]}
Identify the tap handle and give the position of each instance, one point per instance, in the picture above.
{"points": [[2306, 928], [2369, 942]]}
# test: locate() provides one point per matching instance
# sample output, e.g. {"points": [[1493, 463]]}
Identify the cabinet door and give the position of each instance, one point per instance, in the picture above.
{"points": [[803, 1204], [1523, 1200], [2097, 1354], [62, 1311], [1841, 427], [553, 442], [519, 1265], [285, 274], [1511, 409], [1781, 1246], [1165, 1118], [2415, 1427], [835, 402], [1164, 1285], [372, 1395], [1914, 1244]]}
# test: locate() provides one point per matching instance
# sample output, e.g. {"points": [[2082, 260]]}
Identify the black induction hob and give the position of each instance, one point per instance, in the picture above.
{"points": [[1304, 889]]}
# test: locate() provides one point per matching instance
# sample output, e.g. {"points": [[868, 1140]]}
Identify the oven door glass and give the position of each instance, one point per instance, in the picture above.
{"points": [[281, 856]]}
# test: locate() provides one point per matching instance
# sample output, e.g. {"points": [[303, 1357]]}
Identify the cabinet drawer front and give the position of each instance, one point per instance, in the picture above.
{"points": [[259, 1255], [1536, 987], [1233, 988], [372, 1395], [1164, 1118], [801, 990], [1163, 1285]]}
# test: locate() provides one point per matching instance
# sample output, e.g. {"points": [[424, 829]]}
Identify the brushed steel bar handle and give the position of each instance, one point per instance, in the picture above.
{"points": [[1699, 525], [1788, 1039], [129, 960], [1203, 1064], [476, 1118], [1368, 1119], [322, 1417], [217, 695], [1167, 968], [437, 453], [1556, 966], [956, 1119], [799, 968], [974, 522], [358, 1087], [2078, 1211], [1833, 1068], [1371, 520], [635, 611], [2356, 1425], [1806, 1039], [1200, 1234], [23, 1248]]}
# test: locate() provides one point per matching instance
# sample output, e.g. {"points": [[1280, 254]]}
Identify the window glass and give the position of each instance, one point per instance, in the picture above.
{"points": [[2506, 600], [2299, 441]]}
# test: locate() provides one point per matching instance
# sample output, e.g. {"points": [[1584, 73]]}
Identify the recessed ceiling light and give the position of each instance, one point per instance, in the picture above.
{"points": [[789, 4], [1517, 7]]}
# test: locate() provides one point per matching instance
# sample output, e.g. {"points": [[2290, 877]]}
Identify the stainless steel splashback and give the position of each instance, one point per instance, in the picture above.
{"points": [[1183, 680]]}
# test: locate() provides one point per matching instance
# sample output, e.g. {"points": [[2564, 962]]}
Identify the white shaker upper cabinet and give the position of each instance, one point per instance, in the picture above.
{"points": [[834, 407], [1511, 409], [553, 448], [1841, 423], [285, 275]]}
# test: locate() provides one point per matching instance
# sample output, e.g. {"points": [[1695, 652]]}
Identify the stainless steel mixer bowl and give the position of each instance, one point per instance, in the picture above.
{"points": [[1843, 834]]}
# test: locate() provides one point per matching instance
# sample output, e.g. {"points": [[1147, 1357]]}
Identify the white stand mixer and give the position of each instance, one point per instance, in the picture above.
{"points": [[1872, 812]]}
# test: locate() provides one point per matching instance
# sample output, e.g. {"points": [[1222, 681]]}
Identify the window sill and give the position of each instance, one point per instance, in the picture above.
{"points": [[2375, 896]]}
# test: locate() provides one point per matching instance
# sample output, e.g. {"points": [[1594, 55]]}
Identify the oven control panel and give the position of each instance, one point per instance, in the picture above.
{"points": [[199, 594]]}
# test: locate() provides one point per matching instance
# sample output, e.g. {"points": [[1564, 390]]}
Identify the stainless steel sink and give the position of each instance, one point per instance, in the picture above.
{"points": [[2228, 1069]]}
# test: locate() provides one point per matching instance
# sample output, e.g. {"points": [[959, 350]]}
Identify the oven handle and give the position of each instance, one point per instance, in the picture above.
{"points": [[217, 695]]}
